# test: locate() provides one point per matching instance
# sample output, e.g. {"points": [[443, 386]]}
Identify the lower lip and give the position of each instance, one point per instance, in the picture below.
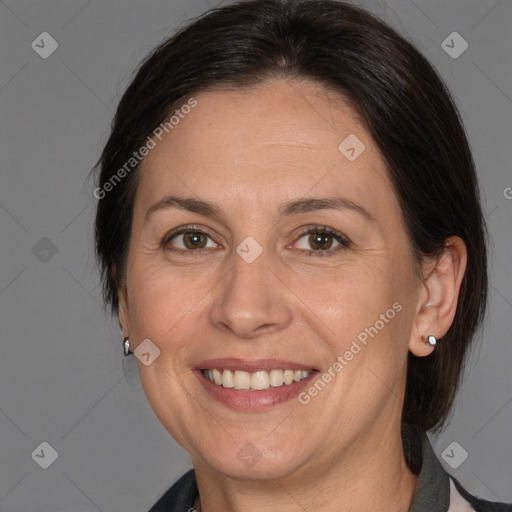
{"points": [[253, 401]]}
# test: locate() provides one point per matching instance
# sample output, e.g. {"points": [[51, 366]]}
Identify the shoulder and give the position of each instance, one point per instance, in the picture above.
{"points": [[180, 496], [436, 489], [478, 504]]}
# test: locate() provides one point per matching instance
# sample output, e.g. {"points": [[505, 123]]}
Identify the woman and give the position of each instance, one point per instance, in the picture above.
{"points": [[289, 229]]}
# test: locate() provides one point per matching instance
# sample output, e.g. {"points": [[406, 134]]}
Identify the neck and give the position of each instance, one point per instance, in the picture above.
{"points": [[371, 474]]}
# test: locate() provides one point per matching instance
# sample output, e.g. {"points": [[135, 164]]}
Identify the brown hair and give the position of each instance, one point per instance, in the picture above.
{"points": [[403, 102]]}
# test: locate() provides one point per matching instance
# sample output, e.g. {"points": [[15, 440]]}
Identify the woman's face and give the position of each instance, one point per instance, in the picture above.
{"points": [[251, 291]]}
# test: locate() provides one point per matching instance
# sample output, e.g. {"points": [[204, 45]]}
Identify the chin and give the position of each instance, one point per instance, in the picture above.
{"points": [[257, 460]]}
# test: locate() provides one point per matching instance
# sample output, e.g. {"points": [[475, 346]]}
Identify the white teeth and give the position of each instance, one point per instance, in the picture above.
{"points": [[256, 381], [242, 380], [227, 379], [288, 376], [260, 380], [276, 378], [217, 377]]}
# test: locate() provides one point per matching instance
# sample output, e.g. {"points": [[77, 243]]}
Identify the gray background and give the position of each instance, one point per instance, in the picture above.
{"points": [[63, 379]]}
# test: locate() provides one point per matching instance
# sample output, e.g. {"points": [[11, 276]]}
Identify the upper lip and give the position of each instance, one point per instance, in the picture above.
{"points": [[251, 365]]}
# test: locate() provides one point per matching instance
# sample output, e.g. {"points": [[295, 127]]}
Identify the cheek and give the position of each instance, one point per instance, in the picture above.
{"points": [[352, 299], [365, 320], [161, 298]]}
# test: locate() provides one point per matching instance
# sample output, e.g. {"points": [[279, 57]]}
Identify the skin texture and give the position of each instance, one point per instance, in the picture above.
{"points": [[250, 151]]}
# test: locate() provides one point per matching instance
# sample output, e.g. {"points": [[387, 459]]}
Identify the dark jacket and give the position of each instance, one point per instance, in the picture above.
{"points": [[432, 493]]}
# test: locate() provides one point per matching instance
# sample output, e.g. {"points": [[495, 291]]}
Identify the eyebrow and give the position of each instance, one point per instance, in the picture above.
{"points": [[288, 209]]}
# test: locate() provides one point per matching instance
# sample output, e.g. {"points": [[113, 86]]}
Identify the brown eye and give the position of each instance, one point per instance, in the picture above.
{"points": [[188, 240], [194, 240], [320, 241]]}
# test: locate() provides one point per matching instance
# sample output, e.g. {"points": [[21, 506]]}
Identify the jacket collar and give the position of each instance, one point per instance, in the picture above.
{"points": [[433, 487]]}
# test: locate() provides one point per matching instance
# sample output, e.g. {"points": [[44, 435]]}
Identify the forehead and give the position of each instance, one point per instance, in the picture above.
{"points": [[279, 140], [266, 120]]}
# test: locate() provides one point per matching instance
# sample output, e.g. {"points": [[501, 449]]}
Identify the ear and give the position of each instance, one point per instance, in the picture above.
{"points": [[438, 297], [124, 312]]}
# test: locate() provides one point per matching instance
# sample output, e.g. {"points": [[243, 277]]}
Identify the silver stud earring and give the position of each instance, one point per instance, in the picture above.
{"points": [[431, 340], [126, 347]]}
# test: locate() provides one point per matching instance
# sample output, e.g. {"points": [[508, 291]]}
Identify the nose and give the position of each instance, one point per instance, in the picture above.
{"points": [[252, 300]]}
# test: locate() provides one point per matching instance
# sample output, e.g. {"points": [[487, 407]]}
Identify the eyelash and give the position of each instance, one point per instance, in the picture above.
{"points": [[339, 237]]}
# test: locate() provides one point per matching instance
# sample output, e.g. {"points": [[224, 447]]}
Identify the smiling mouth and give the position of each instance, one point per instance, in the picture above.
{"points": [[254, 381]]}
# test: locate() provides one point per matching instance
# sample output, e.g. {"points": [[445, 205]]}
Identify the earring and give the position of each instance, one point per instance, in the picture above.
{"points": [[126, 347], [431, 340]]}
